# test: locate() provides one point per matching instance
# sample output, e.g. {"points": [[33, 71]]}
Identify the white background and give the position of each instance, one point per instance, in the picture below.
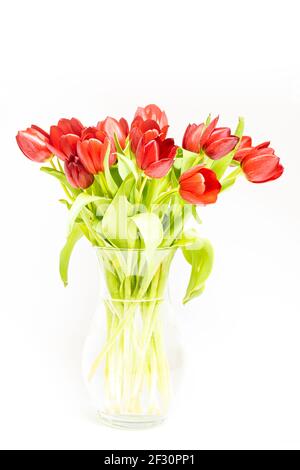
{"points": [[89, 59]]}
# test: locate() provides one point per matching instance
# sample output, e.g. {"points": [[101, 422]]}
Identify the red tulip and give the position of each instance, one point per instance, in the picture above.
{"points": [[199, 185], [149, 128], [112, 127], [154, 113], [261, 165], [92, 152], [245, 148], [92, 133], [34, 144], [192, 137], [156, 157], [216, 142], [65, 126], [77, 175]]}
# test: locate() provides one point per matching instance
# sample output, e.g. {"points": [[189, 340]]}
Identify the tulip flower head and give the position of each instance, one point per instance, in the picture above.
{"points": [[149, 129], [34, 144], [92, 153], [199, 185], [76, 174], [150, 122], [262, 165], [111, 127], [153, 113], [155, 157], [216, 142], [245, 148], [192, 137], [64, 126]]}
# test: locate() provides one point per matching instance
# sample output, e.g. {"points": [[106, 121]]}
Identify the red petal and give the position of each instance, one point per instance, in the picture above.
{"points": [[192, 171], [195, 184], [159, 169], [151, 154], [207, 133], [192, 137], [68, 144], [140, 153], [41, 131], [33, 147], [65, 126], [246, 141], [96, 155], [83, 153], [76, 125], [149, 125], [220, 148], [55, 135], [167, 149], [263, 145], [219, 133], [262, 168]]}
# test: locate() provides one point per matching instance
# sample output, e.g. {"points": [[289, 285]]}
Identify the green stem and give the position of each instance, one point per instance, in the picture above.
{"points": [[62, 185], [142, 187], [103, 184], [165, 196]]}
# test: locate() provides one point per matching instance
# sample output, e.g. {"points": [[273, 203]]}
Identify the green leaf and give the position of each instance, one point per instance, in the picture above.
{"points": [[67, 250], [199, 254], [220, 166], [117, 144], [195, 215], [208, 119], [126, 167], [150, 228], [115, 219], [187, 238], [61, 178], [66, 203], [101, 206], [189, 159], [112, 187], [80, 202], [231, 178]]}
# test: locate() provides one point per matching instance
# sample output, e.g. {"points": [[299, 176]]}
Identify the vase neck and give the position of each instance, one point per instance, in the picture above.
{"points": [[135, 275]]}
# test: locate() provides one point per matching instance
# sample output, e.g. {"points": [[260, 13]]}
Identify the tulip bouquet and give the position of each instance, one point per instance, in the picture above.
{"points": [[130, 190]]}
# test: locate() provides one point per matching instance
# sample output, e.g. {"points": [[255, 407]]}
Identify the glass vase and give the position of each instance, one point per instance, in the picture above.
{"points": [[132, 357]]}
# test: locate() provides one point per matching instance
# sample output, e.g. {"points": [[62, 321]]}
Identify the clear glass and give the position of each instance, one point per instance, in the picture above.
{"points": [[132, 357]]}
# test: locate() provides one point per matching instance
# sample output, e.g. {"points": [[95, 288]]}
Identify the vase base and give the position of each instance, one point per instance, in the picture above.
{"points": [[130, 421]]}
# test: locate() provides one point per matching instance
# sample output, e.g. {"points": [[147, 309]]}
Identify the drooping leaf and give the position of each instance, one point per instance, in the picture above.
{"points": [[150, 228], [57, 174], [67, 250], [199, 254], [80, 202], [220, 166], [196, 215], [61, 177], [66, 203]]}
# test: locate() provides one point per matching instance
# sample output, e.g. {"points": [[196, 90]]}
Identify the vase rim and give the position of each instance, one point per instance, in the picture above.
{"points": [[133, 250]]}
